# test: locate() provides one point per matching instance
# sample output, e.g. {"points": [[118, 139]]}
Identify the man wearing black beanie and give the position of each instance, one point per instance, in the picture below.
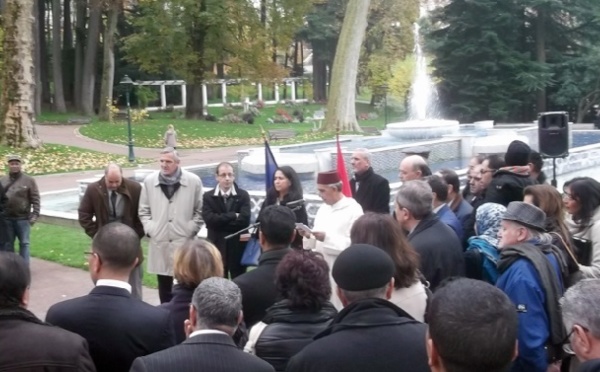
{"points": [[509, 182], [370, 333]]}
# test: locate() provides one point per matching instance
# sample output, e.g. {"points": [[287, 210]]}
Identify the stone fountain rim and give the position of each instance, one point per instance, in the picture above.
{"points": [[423, 124]]}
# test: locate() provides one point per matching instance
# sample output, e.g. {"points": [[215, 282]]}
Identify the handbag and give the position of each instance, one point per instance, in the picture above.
{"points": [[584, 251], [251, 252]]}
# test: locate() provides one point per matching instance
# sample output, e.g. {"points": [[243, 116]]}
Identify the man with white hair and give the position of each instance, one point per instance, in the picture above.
{"points": [[335, 217], [215, 314], [369, 189], [171, 212], [437, 244], [582, 321], [531, 271], [413, 167]]}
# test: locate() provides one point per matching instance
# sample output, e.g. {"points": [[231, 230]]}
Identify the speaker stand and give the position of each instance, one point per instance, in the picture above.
{"points": [[553, 182]]}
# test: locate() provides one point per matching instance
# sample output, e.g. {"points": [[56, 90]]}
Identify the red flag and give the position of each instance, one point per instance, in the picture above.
{"points": [[341, 169]]}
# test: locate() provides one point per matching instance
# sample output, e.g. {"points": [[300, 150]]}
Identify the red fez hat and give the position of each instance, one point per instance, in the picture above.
{"points": [[328, 178]]}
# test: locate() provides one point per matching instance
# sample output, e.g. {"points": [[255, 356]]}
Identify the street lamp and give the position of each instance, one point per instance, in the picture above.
{"points": [[128, 84]]}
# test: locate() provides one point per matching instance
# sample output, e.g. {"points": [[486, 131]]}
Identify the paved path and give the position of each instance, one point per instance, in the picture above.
{"points": [[69, 135], [51, 282]]}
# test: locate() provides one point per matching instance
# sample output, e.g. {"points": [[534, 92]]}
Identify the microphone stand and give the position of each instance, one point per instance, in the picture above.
{"points": [[252, 226]]}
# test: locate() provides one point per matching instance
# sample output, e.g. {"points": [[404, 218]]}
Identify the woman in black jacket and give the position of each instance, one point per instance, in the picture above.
{"points": [[286, 189], [302, 279]]}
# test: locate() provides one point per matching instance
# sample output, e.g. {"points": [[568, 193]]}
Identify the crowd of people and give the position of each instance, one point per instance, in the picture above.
{"points": [[503, 275]]}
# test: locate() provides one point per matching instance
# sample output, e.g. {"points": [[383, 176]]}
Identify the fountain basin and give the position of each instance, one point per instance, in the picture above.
{"points": [[423, 129], [302, 163], [496, 144]]}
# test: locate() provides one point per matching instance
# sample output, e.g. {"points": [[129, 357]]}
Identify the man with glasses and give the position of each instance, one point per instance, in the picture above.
{"points": [[581, 318], [117, 327], [225, 210], [531, 271]]}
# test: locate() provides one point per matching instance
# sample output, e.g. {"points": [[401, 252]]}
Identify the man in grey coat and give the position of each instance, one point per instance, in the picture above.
{"points": [[171, 212]]}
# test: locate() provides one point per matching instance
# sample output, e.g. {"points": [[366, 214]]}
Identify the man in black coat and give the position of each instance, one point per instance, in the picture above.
{"points": [[225, 210], [118, 327], [277, 231], [369, 189], [215, 313], [370, 333], [508, 182], [27, 343], [436, 243]]}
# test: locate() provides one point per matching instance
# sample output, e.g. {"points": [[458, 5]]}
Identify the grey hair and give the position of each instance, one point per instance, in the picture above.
{"points": [[579, 306], [366, 154], [218, 302], [417, 197], [417, 161], [336, 186], [353, 296], [112, 165], [170, 150]]}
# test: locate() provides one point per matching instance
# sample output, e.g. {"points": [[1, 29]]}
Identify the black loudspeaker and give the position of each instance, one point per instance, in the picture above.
{"points": [[553, 132]]}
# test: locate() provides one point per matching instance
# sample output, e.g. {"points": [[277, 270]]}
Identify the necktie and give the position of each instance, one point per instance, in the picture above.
{"points": [[113, 202]]}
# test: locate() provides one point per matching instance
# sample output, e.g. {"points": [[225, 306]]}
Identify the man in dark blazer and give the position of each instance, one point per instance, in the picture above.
{"points": [[277, 231], [438, 246], [215, 313], [225, 210], [369, 189], [27, 343], [118, 327], [114, 199], [440, 208]]}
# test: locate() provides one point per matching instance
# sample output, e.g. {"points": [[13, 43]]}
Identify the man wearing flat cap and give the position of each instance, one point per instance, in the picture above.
{"points": [[508, 182], [370, 333], [335, 217], [22, 207], [531, 274]]}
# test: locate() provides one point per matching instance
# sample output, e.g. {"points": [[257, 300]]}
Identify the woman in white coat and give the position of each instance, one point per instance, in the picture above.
{"points": [[381, 230]]}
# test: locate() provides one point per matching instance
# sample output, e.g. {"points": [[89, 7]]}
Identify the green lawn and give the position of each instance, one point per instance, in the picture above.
{"points": [[59, 159], [206, 134], [66, 246]]}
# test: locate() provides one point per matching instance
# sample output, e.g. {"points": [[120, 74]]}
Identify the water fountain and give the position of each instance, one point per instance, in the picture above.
{"points": [[425, 122]]}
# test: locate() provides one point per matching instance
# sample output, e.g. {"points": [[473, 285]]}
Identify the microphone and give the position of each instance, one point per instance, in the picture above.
{"points": [[252, 226], [295, 203]]}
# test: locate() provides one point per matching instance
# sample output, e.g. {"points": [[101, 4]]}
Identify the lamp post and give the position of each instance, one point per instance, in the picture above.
{"points": [[128, 84]]}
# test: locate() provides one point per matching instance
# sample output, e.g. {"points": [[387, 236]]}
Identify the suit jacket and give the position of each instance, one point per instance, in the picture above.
{"points": [[95, 204], [220, 222], [213, 352], [373, 192], [179, 307], [28, 344], [258, 286], [448, 217], [118, 328], [440, 250]]}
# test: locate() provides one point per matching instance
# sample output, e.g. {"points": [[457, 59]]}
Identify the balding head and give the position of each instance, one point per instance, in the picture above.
{"points": [[413, 167], [113, 176]]}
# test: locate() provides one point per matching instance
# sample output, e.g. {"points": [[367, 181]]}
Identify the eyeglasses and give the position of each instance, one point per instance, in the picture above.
{"points": [[567, 195], [88, 254], [566, 343], [484, 171]]}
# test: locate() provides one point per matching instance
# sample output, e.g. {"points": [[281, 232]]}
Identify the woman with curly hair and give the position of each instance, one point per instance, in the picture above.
{"points": [[302, 279], [382, 231]]}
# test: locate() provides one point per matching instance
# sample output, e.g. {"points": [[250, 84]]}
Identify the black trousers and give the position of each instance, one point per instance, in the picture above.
{"points": [[165, 288], [233, 257]]}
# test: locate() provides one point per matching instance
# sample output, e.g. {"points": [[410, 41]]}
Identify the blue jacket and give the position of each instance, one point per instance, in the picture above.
{"points": [[448, 217], [463, 211], [522, 284]]}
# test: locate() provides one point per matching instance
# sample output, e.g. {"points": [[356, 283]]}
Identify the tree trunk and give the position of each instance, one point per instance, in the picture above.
{"points": [[108, 66], [67, 26], [540, 46], [319, 79], [341, 110], [43, 46], [194, 107], [37, 100], [88, 79], [59, 96], [81, 11], [18, 122]]}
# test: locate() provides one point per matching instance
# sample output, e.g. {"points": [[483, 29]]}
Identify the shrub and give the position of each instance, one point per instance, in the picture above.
{"points": [[231, 118]]}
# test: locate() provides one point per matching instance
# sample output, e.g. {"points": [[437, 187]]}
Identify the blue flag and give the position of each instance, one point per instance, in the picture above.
{"points": [[270, 166]]}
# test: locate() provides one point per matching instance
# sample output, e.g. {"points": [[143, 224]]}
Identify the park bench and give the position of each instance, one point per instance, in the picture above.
{"points": [[79, 121], [277, 134], [371, 131]]}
